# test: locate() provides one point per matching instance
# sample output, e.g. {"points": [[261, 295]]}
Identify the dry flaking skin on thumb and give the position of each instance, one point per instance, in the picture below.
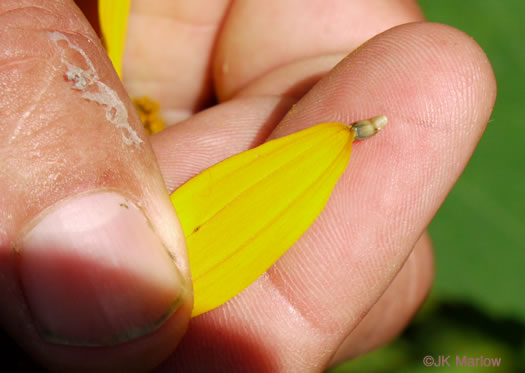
{"points": [[91, 252]]}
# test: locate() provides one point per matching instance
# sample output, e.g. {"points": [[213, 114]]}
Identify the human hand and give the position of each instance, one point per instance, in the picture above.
{"points": [[365, 255]]}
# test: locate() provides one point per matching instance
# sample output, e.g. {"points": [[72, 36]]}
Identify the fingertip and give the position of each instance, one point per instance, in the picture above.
{"points": [[446, 55]]}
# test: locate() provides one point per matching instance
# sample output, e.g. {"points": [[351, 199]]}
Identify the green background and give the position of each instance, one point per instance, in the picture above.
{"points": [[477, 305]]}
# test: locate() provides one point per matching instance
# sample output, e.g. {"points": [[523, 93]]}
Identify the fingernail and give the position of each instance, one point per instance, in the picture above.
{"points": [[94, 272]]}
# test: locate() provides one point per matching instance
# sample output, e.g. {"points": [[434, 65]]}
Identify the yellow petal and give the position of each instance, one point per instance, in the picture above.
{"points": [[242, 214], [114, 16]]}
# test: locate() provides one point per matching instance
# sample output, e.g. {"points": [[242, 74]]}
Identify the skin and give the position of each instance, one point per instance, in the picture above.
{"points": [[358, 275]]}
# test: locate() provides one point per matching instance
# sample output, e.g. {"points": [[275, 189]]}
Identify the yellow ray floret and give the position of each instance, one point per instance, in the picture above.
{"points": [[114, 16], [242, 214]]}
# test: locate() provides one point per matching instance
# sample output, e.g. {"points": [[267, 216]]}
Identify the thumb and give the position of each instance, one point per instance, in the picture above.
{"points": [[91, 253]]}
